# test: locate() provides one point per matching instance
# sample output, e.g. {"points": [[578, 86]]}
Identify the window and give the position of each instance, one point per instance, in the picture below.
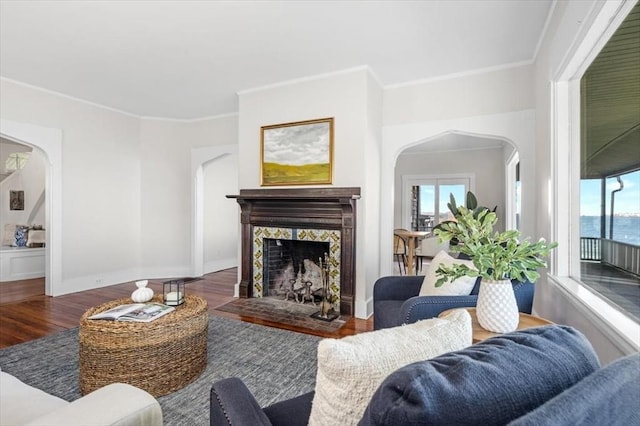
{"points": [[16, 161], [426, 205], [588, 306], [614, 214], [610, 170]]}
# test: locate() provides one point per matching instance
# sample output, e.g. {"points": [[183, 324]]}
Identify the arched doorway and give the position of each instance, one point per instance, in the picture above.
{"points": [[214, 172], [49, 141], [451, 163], [516, 128]]}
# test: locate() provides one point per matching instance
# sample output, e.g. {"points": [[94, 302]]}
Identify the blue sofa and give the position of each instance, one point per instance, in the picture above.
{"points": [[396, 300], [540, 376]]}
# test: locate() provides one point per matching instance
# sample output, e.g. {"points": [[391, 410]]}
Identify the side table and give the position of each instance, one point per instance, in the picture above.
{"points": [[480, 334], [160, 356]]}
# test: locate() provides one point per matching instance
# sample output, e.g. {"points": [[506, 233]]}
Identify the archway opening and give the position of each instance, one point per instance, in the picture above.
{"points": [[215, 246], [49, 142], [427, 172]]}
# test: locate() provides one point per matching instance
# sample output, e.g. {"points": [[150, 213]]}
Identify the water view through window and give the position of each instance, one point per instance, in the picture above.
{"points": [[610, 239], [626, 214], [610, 170]]}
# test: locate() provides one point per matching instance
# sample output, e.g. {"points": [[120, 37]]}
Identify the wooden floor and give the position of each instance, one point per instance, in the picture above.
{"points": [[27, 314]]}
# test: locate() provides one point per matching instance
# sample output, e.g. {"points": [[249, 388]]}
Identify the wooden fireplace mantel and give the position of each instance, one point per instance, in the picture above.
{"points": [[310, 208]]}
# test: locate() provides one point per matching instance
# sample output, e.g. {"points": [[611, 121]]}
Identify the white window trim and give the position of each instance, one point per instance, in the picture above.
{"points": [[510, 186], [565, 195]]}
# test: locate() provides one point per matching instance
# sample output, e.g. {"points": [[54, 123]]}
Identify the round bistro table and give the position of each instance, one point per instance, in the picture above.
{"points": [[160, 356]]}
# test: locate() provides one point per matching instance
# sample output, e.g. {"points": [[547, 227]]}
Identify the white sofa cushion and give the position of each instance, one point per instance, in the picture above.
{"points": [[430, 246], [460, 287], [117, 404], [351, 369], [21, 403]]}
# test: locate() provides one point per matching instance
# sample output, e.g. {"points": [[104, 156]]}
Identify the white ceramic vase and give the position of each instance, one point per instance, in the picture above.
{"points": [[497, 309], [143, 293]]}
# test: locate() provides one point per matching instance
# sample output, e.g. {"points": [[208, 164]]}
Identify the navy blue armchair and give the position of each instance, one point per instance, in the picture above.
{"points": [[546, 375], [396, 300]]}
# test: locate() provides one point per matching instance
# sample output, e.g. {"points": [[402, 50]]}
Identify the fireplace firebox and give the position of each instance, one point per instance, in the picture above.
{"points": [[312, 223], [293, 269]]}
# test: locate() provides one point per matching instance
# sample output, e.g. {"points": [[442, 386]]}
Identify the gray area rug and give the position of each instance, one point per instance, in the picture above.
{"points": [[275, 365]]}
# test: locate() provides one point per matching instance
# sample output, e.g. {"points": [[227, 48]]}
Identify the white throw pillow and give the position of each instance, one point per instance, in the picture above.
{"points": [[351, 369], [460, 287], [9, 235]]}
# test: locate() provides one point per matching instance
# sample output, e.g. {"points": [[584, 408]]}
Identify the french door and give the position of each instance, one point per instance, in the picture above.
{"points": [[425, 199]]}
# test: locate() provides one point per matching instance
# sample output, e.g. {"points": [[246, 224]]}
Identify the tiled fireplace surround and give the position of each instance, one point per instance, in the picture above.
{"points": [[315, 214]]}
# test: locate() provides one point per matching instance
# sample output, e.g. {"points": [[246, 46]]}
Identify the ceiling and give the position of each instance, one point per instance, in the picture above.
{"points": [[610, 90], [189, 59]]}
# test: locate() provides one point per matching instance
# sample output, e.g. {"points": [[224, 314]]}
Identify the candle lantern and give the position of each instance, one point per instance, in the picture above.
{"points": [[173, 292]]}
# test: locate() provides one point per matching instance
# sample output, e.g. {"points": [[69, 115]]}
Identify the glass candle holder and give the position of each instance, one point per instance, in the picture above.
{"points": [[173, 292]]}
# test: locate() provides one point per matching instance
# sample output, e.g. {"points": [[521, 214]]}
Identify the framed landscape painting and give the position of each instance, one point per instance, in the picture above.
{"points": [[299, 153]]}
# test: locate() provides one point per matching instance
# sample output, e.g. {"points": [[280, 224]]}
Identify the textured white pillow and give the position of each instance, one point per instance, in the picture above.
{"points": [[351, 369], [460, 287], [9, 235]]}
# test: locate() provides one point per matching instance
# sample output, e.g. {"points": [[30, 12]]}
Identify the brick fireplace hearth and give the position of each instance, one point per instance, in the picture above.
{"points": [[325, 215]]}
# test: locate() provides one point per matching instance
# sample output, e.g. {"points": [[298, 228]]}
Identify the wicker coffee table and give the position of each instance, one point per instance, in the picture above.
{"points": [[160, 357]]}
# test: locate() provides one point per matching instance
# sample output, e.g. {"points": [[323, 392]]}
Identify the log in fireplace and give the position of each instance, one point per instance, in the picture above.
{"points": [[321, 215]]}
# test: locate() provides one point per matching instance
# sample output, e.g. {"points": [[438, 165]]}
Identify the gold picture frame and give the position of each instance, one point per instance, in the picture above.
{"points": [[298, 153]]}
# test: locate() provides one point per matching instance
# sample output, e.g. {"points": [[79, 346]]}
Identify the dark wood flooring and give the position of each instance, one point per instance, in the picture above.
{"points": [[27, 314]]}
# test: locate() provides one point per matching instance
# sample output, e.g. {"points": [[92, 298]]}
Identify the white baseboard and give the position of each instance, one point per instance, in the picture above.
{"points": [[220, 264], [90, 282], [364, 309]]}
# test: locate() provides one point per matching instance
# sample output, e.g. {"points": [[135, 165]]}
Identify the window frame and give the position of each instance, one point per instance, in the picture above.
{"points": [[514, 197], [19, 159], [564, 191], [408, 181]]}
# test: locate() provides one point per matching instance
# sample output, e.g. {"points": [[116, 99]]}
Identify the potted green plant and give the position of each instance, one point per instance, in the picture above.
{"points": [[498, 257], [471, 203]]}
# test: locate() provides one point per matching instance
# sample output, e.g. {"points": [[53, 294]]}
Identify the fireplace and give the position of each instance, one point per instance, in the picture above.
{"points": [[295, 269], [294, 225]]}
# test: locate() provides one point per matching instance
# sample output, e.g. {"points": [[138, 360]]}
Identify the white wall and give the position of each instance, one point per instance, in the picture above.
{"points": [[126, 202], [369, 205], [342, 96], [99, 152], [166, 185], [353, 98], [221, 239], [165, 206], [465, 95]]}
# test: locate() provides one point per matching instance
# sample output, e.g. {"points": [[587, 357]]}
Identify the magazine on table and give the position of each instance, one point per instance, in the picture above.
{"points": [[137, 312]]}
